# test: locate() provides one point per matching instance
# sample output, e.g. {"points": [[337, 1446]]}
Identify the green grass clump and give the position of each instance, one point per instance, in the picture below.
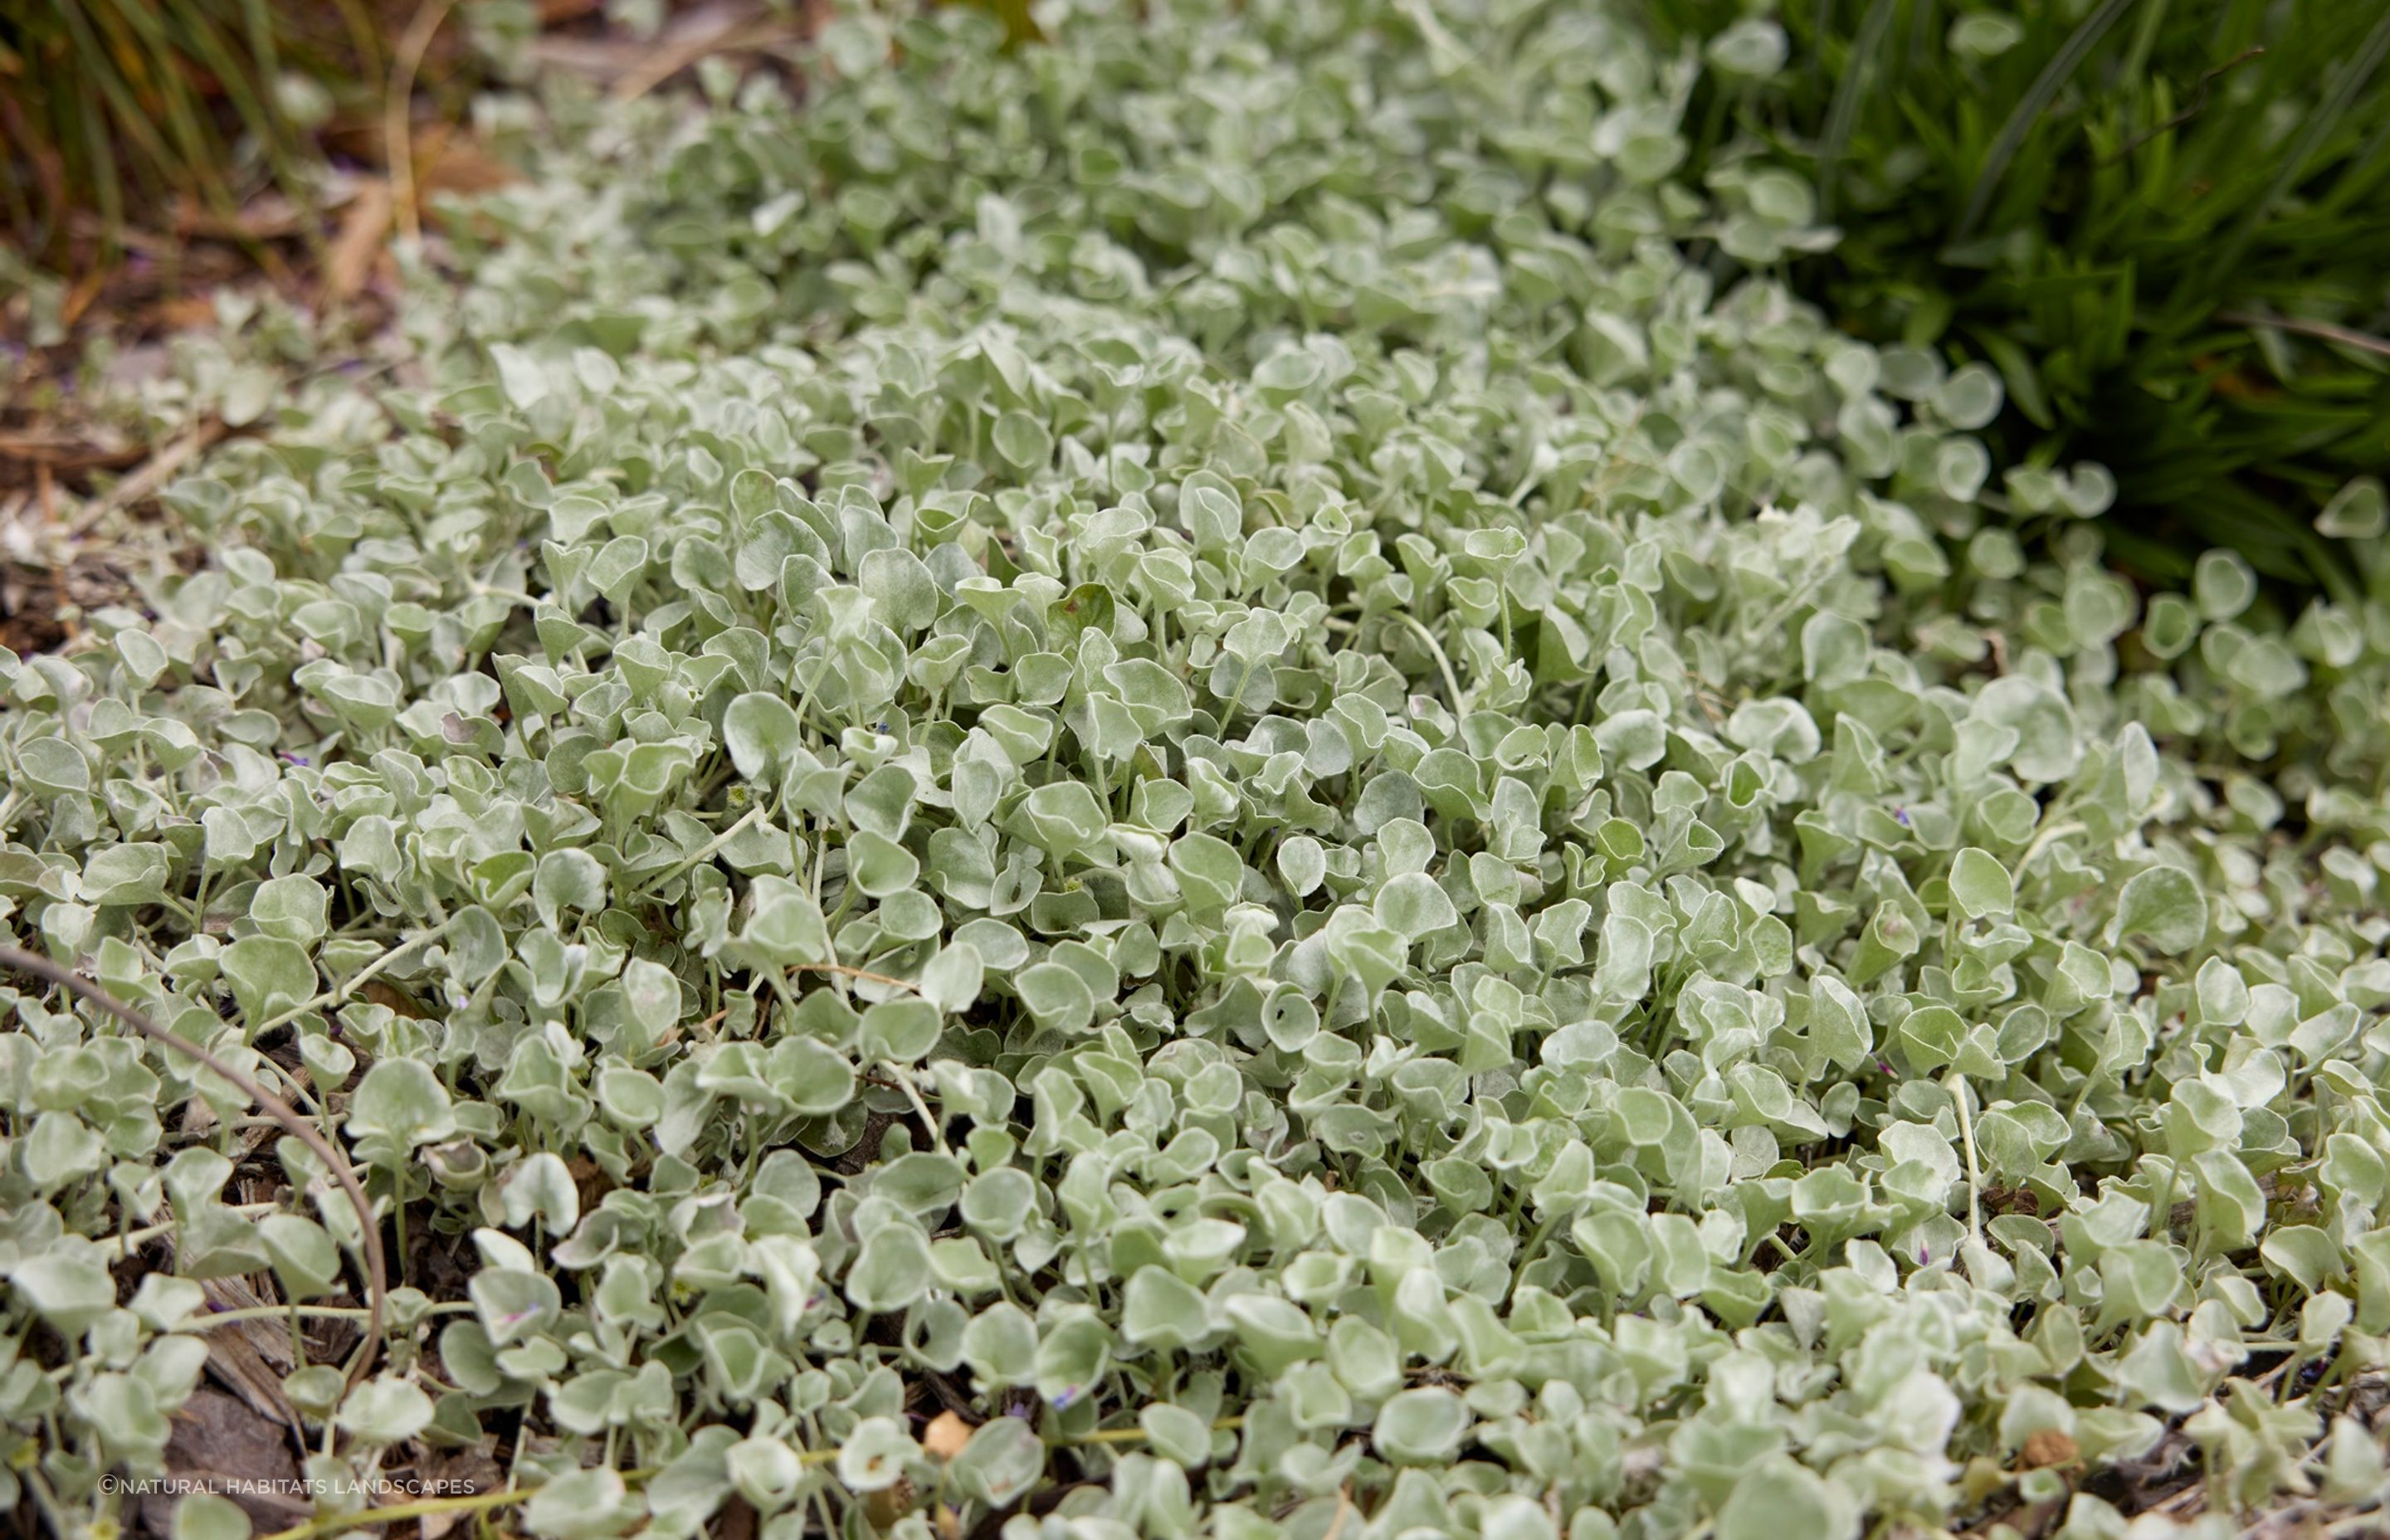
{"points": [[2160, 222], [1164, 785], [118, 108]]}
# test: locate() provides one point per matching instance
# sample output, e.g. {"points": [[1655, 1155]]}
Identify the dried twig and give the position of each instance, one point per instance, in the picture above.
{"points": [[742, 30], [844, 971], [367, 226], [397, 146], [1344, 1510], [152, 475], [2321, 330], [376, 1292]]}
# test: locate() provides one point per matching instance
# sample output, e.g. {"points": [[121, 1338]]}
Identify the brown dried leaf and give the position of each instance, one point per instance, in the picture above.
{"points": [[364, 230], [945, 1435], [448, 161]]}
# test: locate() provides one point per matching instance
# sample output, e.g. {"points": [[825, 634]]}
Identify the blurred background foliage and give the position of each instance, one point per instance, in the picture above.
{"points": [[117, 108], [2166, 222], [169, 118]]}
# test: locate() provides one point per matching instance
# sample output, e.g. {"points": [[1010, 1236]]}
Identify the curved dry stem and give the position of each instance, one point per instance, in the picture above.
{"points": [[398, 144], [1443, 663], [844, 971], [377, 1290]]}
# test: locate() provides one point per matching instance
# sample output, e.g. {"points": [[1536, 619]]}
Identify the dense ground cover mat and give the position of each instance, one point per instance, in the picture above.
{"points": [[1186, 782]]}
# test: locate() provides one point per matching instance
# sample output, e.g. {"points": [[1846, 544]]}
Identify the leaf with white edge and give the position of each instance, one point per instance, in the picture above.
{"points": [[2163, 906], [386, 1411], [951, 979], [874, 1456], [1413, 905], [1980, 886], [401, 1103]]}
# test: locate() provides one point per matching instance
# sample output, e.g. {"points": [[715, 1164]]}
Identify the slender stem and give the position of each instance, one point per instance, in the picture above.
{"points": [[843, 971], [904, 1078], [702, 854], [336, 1523], [370, 1233], [397, 141], [1443, 663], [322, 1311], [1957, 1088], [1134, 1436], [2323, 330], [2058, 830], [365, 976]]}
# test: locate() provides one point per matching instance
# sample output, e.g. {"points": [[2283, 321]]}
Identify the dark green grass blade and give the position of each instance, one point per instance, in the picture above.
{"points": [[2027, 113]]}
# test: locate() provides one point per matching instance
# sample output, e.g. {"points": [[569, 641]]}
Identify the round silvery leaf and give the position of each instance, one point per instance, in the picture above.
{"points": [[951, 979], [317, 1389], [2048, 747], [1072, 1355], [891, 1269], [2162, 904], [1421, 1426], [579, 1505], [784, 926], [1413, 904], [268, 975], [386, 1410], [514, 1305], [766, 1472], [1166, 1311], [1980, 886], [53, 767], [401, 1103], [1064, 818], [874, 1456], [541, 1187], [568, 879], [1057, 996], [1781, 1500], [1003, 1458], [206, 1516], [305, 1257], [70, 1289], [762, 733]]}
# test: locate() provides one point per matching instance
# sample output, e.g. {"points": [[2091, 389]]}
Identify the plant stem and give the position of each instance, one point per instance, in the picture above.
{"points": [[366, 975], [477, 1502], [1443, 663], [1956, 1086], [370, 1233]]}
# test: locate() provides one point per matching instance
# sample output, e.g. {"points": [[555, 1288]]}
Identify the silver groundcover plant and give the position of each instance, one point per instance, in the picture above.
{"points": [[1206, 779]]}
